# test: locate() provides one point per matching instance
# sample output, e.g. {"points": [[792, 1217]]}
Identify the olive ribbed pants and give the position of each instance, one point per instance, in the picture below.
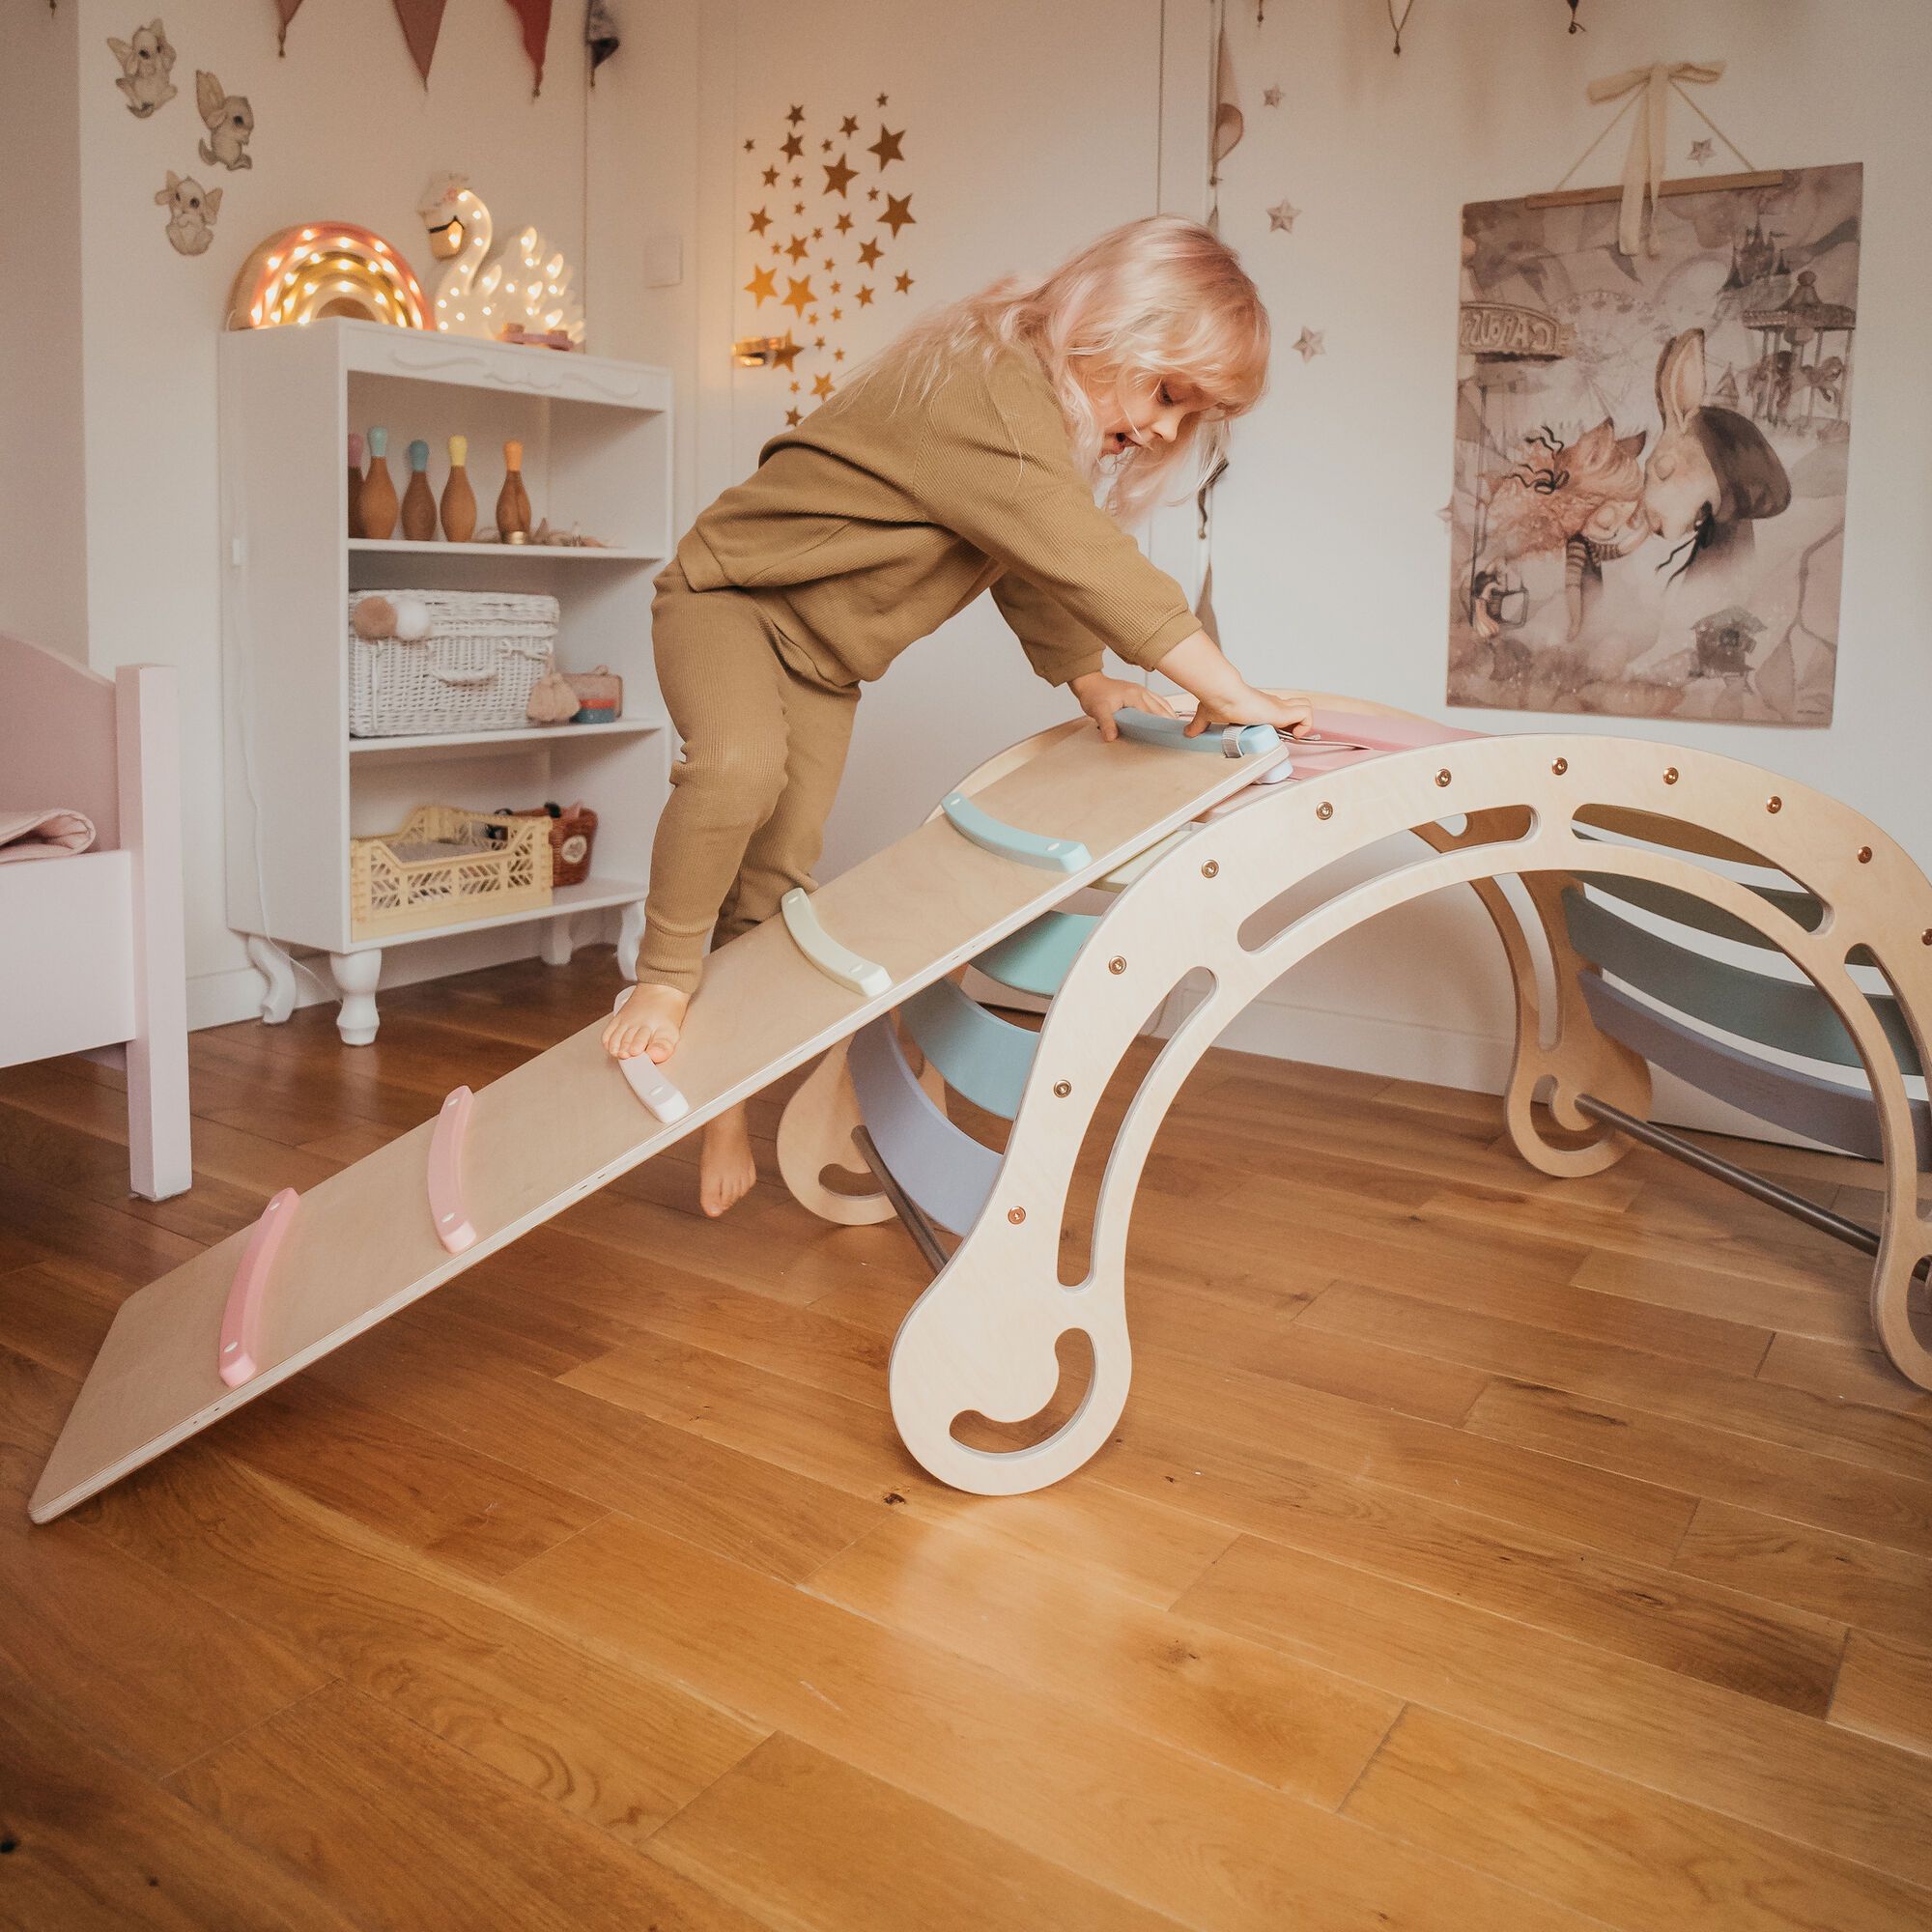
{"points": [[763, 751]]}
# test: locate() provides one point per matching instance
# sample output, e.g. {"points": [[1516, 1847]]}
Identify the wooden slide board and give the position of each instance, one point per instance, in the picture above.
{"points": [[362, 1244]]}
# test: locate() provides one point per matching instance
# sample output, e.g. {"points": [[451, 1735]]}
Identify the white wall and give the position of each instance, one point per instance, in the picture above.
{"points": [[42, 580], [343, 128], [1331, 563]]}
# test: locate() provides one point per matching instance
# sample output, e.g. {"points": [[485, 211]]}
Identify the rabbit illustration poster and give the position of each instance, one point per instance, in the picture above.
{"points": [[1651, 454]]}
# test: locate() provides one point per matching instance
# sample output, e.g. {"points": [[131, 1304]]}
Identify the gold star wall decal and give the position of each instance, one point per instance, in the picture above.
{"points": [[865, 297], [797, 207], [869, 252], [825, 147], [800, 297], [887, 147], [793, 418], [818, 235], [771, 178], [904, 284], [838, 355], [821, 386], [828, 263], [871, 194], [796, 115], [848, 125], [761, 286], [798, 251], [836, 175], [787, 353], [843, 224], [748, 146], [838, 315], [898, 214], [818, 342], [1272, 96], [798, 180], [761, 222], [793, 147], [882, 100]]}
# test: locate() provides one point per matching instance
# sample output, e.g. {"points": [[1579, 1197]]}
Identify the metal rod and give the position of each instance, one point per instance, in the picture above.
{"points": [[914, 1223], [1854, 1232]]}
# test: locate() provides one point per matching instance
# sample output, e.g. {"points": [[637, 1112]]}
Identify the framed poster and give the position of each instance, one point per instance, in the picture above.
{"points": [[1651, 453]]}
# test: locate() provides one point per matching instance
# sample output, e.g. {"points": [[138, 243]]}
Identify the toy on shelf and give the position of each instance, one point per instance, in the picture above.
{"points": [[600, 695], [523, 295], [378, 500], [573, 831], [354, 484], [418, 503], [570, 539], [459, 500], [552, 699], [326, 268], [513, 500]]}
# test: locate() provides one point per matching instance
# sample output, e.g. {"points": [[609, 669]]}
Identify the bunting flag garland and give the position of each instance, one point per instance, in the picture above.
{"points": [[601, 33], [535, 16], [422, 22]]}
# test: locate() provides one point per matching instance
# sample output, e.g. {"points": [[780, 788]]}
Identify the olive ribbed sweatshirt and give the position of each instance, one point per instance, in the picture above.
{"points": [[873, 522]]}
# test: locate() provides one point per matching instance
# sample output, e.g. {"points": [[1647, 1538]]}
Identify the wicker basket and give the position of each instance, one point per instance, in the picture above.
{"points": [[446, 867], [474, 672]]}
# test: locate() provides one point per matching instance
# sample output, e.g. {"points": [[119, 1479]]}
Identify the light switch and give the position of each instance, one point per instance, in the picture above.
{"points": [[664, 261]]}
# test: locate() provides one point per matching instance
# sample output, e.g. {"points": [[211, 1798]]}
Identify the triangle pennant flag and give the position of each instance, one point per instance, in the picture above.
{"points": [[422, 22], [534, 15]]}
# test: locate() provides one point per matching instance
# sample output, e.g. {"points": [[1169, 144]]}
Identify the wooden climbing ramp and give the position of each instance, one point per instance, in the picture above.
{"points": [[322, 1268]]}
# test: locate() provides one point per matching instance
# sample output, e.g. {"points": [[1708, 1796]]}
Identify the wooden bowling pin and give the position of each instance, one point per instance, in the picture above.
{"points": [[354, 484], [513, 500], [378, 500], [459, 500], [418, 504]]}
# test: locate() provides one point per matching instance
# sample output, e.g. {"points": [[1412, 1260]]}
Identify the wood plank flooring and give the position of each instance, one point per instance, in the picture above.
{"points": [[1477, 1554]]}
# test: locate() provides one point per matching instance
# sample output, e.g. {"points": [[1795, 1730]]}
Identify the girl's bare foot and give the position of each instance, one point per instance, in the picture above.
{"points": [[647, 1023], [725, 1169]]}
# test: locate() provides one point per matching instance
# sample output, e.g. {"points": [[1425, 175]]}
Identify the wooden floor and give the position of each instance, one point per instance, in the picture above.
{"points": [[1476, 1552]]}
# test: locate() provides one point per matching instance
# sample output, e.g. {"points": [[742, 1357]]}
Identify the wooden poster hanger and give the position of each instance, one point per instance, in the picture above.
{"points": [[1573, 197]]}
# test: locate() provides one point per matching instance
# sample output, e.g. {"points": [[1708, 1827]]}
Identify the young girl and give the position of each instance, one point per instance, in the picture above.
{"points": [[965, 458]]}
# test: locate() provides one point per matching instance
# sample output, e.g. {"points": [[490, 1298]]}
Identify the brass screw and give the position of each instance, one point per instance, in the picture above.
{"points": [[1442, 777], [1062, 1087], [1117, 964], [1211, 870], [1324, 809], [1670, 775], [1864, 855], [1773, 804], [1559, 766], [1015, 1215]]}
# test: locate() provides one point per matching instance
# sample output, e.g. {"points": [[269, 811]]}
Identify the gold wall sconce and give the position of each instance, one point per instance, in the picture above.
{"points": [[756, 351]]}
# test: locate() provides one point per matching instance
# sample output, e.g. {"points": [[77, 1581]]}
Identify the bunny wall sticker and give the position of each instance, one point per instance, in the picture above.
{"points": [[146, 61], [229, 120]]}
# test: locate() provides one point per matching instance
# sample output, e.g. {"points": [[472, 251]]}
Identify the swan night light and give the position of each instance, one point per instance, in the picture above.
{"points": [[525, 291]]}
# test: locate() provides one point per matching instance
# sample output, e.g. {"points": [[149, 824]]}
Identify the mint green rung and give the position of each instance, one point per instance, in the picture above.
{"points": [[1013, 841], [983, 1057], [1037, 957]]}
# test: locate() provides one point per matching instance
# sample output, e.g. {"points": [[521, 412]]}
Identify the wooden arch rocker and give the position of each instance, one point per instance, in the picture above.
{"points": [[1632, 819], [1197, 842]]}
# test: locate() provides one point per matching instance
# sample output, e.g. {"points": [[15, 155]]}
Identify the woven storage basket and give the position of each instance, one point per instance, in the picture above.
{"points": [[474, 672], [445, 867]]}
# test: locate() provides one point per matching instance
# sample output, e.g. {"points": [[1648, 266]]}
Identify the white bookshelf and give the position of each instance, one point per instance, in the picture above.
{"points": [[597, 455]]}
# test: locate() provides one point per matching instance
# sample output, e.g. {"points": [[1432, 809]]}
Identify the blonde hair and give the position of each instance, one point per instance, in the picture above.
{"points": [[1161, 299]]}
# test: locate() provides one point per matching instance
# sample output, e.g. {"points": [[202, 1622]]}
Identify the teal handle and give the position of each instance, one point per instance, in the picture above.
{"points": [[1147, 728], [1010, 841]]}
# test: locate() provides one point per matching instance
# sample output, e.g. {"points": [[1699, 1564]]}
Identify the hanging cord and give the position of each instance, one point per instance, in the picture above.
{"points": [[1399, 27], [1751, 166], [1603, 135]]}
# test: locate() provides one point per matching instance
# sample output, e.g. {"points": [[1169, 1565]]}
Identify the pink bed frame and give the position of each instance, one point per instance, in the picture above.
{"points": [[91, 946]]}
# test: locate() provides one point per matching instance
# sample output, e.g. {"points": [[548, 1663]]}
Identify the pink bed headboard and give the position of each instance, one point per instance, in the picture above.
{"points": [[57, 736]]}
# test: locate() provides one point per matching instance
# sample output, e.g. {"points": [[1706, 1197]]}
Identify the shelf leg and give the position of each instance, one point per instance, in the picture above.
{"points": [[555, 943], [355, 977], [278, 978], [630, 936]]}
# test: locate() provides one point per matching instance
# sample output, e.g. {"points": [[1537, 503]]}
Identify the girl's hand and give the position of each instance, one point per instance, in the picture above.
{"points": [[1290, 716], [1100, 697]]}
